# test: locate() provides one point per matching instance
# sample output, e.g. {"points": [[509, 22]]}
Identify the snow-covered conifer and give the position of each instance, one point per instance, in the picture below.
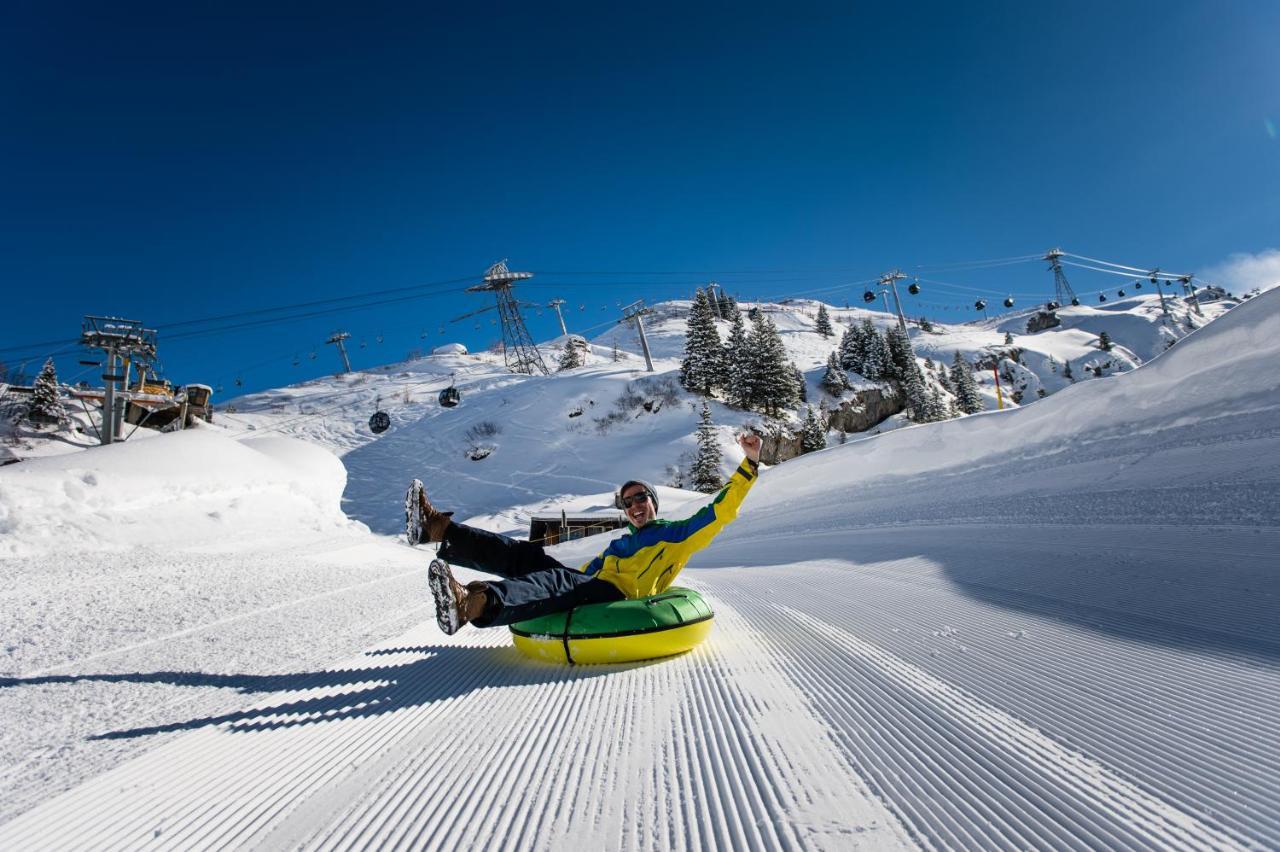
{"points": [[877, 364], [834, 380], [802, 389], [738, 363], [702, 368], [813, 434], [1008, 339], [1104, 341], [902, 361], [705, 475], [852, 348], [772, 384], [572, 356], [968, 399], [824, 322], [46, 404], [935, 407]]}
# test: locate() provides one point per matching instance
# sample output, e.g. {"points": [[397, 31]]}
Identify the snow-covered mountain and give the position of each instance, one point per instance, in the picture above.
{"points": [[1054, 625]]}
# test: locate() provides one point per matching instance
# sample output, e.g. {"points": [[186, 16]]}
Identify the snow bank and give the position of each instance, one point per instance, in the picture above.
{"points": [[450, 349], [194, 490]]}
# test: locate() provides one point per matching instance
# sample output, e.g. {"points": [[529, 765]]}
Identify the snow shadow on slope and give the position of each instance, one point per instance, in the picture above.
{"points": [[447, 672], [1202, 590]]}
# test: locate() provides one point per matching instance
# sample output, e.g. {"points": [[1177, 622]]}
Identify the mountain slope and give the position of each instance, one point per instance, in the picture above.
{"points": [[1052, 626]]}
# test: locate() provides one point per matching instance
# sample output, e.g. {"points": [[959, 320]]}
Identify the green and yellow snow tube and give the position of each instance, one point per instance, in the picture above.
{"points": [[621, 632]]}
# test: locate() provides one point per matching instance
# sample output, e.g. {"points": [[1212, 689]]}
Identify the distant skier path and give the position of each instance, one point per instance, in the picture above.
{"points": [[926, 688]]}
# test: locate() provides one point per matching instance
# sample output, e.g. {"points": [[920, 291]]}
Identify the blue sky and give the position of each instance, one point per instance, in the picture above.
{"points": [[167, 164]]}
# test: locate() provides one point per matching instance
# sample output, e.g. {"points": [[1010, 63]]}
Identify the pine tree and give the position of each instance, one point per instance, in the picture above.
{"points": [[706, 465], [701, 370], [944, 379], [917, 396], [813, 435], [1008, 339], [571, 357], [834, 380], [1104, 342], [853, 348], [1066, 372], [738, 362], [968, 399], [902, 361], [802, 388], [824, 322], [935, 407], [46, 404], [877, 363], [771, 385]]}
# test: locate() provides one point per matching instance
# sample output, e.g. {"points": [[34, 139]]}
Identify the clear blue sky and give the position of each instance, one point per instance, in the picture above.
{"points": [[166, 164]]}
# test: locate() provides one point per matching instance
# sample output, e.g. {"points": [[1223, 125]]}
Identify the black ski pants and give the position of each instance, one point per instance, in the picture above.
{"points": [[534, 584]]}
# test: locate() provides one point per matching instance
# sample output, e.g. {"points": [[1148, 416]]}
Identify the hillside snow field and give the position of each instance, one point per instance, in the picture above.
{"points": [[1054, 626]]}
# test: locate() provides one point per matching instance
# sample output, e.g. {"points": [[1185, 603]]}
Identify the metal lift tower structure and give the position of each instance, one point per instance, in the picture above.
{"points": [[124, 342], [1062, 292], [518, 349]]}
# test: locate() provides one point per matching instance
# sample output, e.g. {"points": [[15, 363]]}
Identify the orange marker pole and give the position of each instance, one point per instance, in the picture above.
{"points": [[995, 371]]}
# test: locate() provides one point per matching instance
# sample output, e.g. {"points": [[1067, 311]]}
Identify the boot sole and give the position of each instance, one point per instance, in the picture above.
{"points": [[413, 513], [438, 578]]}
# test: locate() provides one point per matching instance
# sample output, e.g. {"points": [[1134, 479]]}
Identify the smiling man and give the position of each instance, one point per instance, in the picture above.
{"points": [[642, 562]]}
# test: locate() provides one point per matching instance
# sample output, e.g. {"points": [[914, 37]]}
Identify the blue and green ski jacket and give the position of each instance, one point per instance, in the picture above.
{"points": [[646, 560]]}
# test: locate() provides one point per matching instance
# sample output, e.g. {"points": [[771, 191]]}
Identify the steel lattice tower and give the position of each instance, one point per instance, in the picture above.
{"points": [[1063, 294], [518, 349]]}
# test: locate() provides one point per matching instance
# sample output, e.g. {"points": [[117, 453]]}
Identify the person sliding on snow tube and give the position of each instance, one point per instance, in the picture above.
{"points": [[640, 563]]}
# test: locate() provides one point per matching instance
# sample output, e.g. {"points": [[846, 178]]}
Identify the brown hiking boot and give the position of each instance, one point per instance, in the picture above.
{"points": [[456, 604], [423, 524]]}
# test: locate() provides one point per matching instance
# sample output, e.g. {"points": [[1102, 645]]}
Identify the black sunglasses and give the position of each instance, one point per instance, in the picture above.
{"points": [[634, 499]]}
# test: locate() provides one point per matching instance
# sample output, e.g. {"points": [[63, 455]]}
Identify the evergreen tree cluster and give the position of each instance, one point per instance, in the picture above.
{"points": [[751, 369], [863, 350]]}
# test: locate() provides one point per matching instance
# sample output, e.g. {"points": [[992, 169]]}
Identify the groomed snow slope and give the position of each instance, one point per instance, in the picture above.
{"points": [[1052, 627]]}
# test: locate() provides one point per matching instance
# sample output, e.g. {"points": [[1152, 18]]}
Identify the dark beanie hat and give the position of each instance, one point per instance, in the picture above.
{"points": [[617, 495]]}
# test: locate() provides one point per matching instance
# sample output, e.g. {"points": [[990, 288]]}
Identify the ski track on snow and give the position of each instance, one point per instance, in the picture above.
{"points": [[486, 750], [867, 690]]}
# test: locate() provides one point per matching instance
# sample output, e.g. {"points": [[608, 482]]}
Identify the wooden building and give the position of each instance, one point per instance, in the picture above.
{"points": [[556, 529]]}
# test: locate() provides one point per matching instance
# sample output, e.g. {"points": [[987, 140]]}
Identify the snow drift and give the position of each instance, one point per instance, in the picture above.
{"points": [[195, 488]]}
